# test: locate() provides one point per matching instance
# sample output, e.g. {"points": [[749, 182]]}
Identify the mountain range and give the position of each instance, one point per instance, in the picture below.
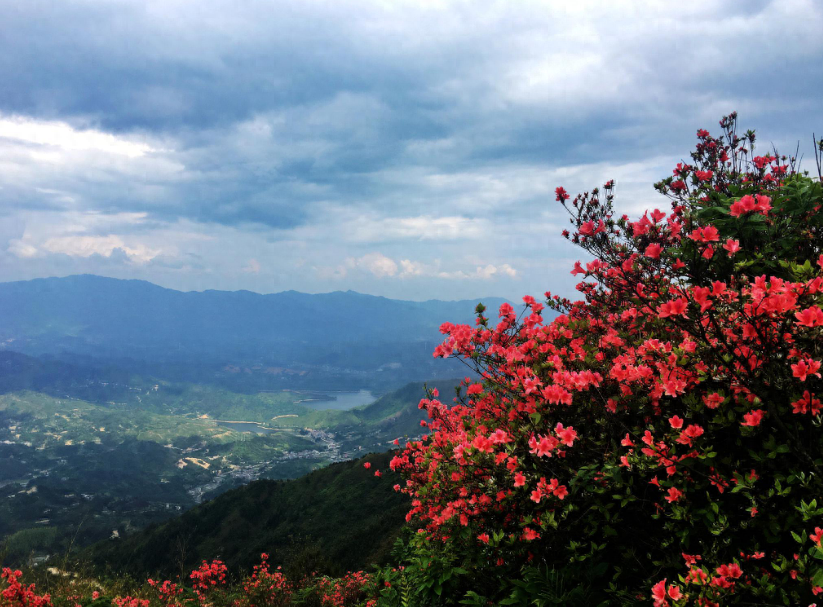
{"points": [[287, 339]]}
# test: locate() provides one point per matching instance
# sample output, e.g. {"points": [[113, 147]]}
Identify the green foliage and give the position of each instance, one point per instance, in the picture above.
{"points": [[342, 511]]}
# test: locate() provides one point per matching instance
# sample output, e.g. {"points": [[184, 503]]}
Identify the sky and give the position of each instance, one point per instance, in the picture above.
{"points": [[404, 149]]}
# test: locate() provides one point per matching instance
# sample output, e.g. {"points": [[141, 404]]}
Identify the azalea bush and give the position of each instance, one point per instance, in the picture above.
{"points": [[210, 586], [661, 437]]}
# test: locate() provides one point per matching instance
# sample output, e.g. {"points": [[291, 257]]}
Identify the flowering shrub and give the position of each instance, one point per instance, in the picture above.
{"points": [[210, 586], [352, 589], [266, 588], [16, 594], [168, 593], [209, 581], [668, 424], [130, 601]]}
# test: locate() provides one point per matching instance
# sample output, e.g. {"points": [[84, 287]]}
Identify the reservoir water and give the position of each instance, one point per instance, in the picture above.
{"points": [[319, 400], [337, 400]]}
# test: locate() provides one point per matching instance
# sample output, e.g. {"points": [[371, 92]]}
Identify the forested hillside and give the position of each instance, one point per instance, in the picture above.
{"points": [[340, 518]]}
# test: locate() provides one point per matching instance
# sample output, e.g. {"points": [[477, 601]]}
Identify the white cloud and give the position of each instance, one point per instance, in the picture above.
{"points": [[253, 267], [411, 268], [86, 246], [22, 249], [382, 266], [486, 272], [63, 136], [377, 263], [423, 227]]}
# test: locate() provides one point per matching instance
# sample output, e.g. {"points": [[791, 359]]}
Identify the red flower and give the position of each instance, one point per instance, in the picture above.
{"points": [[659, 594], [474, 389], [810, 317], [805, 368], [752, 418], [732, 246], [653, 251], [807, 404]]}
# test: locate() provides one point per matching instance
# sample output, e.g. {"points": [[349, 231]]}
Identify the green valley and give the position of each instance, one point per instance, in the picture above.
{"points": [[90, 455]]}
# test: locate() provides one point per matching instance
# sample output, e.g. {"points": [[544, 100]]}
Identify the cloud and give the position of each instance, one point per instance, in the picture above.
{"points": [[481, 273], [105, 246], [376, 263], [367, 229], [253, 267], [63, 136], [149, 139], [382, 266]]}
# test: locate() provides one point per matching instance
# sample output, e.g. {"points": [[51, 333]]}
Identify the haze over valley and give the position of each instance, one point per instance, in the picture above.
{"points": [[123, 403]]}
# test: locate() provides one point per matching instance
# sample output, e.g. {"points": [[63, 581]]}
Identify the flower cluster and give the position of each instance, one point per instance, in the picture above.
{"points": [[167, 592], [266, 588], [208, 579], [129, 601], [354, 588], [15, 594]]}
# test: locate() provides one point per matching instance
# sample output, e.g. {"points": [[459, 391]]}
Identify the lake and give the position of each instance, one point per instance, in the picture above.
{"points": [[337, 400]]}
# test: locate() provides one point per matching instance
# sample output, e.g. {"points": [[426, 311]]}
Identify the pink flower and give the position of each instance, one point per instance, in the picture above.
{"points": [[566, 435], [543, 446], [732, 246], [659, 594]]}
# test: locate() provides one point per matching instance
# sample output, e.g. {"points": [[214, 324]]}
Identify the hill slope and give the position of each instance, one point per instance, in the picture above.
{"points": [[344, 510]]}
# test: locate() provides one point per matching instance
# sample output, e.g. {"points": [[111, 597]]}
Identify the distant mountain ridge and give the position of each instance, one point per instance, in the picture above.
{"points": [[111, 319]]}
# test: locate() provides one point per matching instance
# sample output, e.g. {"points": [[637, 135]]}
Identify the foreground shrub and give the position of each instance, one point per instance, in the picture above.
{"points": [[211, 587], [667, 426]]}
